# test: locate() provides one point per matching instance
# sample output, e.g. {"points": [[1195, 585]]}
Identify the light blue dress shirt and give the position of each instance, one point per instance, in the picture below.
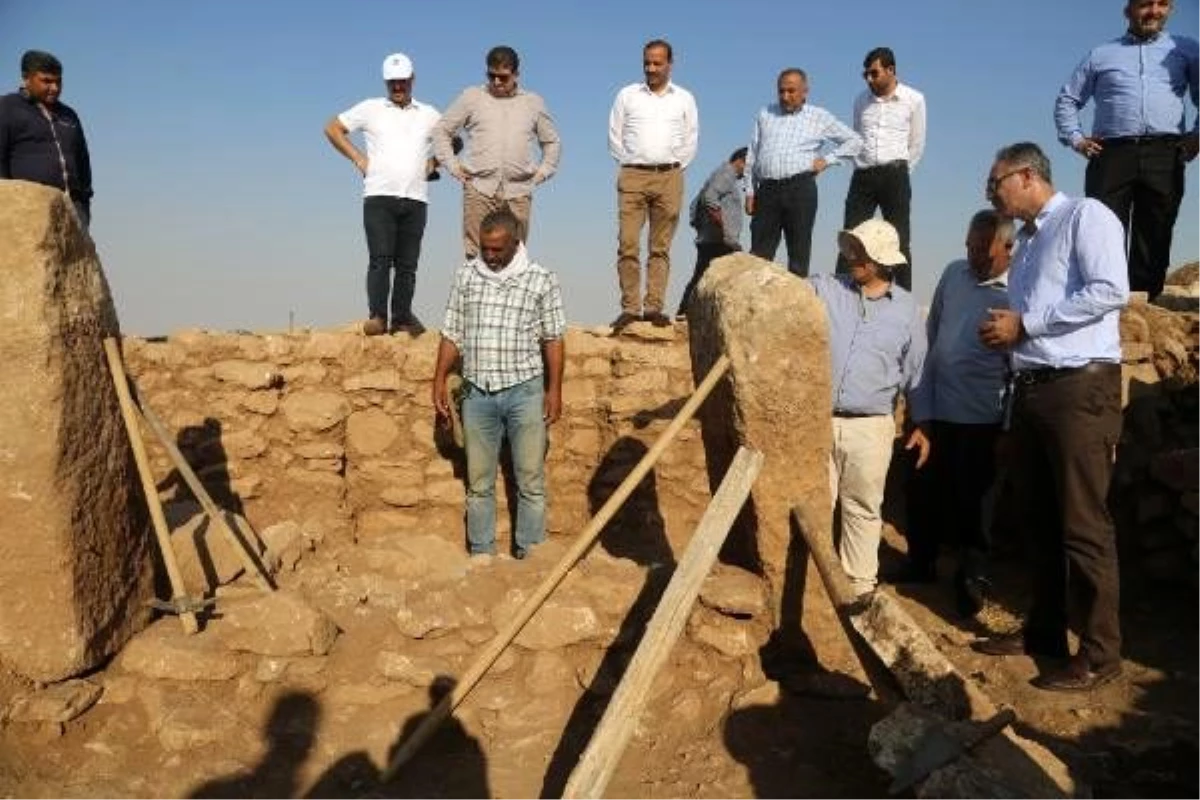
{"points": [[1138, 86], [1068, 281], [876, 345], [963, 380], [785, 144]]}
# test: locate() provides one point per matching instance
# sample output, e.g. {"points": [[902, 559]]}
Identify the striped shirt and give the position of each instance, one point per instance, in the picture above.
{"points": [[499, 320], [783, 145]]}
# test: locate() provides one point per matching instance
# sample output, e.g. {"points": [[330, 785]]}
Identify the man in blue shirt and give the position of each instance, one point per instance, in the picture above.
{"points": [[1139, 142], [876, 349], [792, 143], [1066, 286], [716, 214], [959, 400], [41, 137]]}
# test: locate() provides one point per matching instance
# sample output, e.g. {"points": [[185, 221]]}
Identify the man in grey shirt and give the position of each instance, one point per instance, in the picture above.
{"points": [[960, 400], [716, 214], [501, 122]]}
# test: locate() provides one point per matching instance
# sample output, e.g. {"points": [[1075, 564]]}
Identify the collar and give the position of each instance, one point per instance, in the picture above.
{"points": [[669, 90], [1129, 38], [1000, 280], [412, 104], [1029, 229], [890, 98], [519, 265]]}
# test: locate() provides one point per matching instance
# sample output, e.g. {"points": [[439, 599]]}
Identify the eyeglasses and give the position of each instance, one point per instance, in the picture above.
{"points": [[994, 183], [500, 77]]}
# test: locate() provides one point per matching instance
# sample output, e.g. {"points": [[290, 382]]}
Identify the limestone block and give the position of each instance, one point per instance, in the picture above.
{"points": [[59, 703], [277, 624], [164, 651], [776, 398], [370, 432], [383, 380], [563, 620], [418, 366], [311, 411], [75, 566], [321, 449], [305, 374], [734, 638], [418, 671], [734, 592], [247, 374], [265, 403]]}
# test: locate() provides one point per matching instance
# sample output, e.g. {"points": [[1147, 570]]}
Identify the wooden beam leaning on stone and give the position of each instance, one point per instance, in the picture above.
{"points": [[598, 762], [583, 543], [179, 599], [935, 688]]}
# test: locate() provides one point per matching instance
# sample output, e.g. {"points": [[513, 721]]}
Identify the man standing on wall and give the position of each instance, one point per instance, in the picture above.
{"points": [[397, 129], [716, 214], [502, 122], [653, 131], [890, 118], [792, 143], [1066, 286], [505, 321], [41, 138], [1139, 142]]}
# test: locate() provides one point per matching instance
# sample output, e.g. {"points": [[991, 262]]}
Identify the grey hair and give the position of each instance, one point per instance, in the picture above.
{"points": [[1026, 154], [501, 219], [1002, 227]]}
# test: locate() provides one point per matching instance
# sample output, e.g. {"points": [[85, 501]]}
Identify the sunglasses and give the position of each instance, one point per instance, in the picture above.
{"points": [[500, 77]]}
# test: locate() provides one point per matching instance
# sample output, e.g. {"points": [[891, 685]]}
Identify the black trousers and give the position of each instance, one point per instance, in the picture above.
{"points": [[394, 228], [705, 253], [1141, 180], [886, 187], [785, 208], [946, 496], [1064, 434]]}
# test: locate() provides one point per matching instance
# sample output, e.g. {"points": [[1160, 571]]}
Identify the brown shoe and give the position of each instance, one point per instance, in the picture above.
{"points": [[622, 322], [657, 319], [1077, 676], [374, 327], [1015, 644]]}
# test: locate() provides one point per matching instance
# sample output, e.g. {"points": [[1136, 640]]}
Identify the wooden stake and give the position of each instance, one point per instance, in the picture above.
{"points": [[215, 514], [161, 531], [583, 542], [595, 768]]}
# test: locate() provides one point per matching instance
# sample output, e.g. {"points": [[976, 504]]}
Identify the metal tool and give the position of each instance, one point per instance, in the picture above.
{"points": [[940, 746]]}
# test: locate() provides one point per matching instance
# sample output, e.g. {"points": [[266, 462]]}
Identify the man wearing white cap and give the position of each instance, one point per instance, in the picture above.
{"points": [[397, 131], [877, 349]]}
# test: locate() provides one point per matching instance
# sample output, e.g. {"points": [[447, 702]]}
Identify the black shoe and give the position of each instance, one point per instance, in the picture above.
{"points": [[1077, 676], [970, 594], [412, 326], [1015, 644], [657, 319], [624, 321], [910, 573]]}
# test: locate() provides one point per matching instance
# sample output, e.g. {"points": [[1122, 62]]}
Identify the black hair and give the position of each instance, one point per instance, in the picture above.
{"points": [[39, 61], [663, 43], [738, 154], [504, 56], [883, 55]]}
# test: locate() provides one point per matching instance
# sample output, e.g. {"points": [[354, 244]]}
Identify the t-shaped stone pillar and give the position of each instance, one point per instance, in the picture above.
{"points": [[75, 566], [775, 399]]}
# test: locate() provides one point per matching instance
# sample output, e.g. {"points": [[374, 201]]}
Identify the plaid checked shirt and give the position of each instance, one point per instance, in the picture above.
{"points": [[783, 145], [499, 321]]}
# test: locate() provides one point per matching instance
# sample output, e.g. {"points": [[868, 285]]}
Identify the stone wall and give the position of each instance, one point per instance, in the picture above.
{"points": [[336, 431]]}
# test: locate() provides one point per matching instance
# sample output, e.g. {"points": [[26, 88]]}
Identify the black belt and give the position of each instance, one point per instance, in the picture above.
{"points": [[899, 163], [1150, 138], [853, 415], [655, 167], [1033, 377], [788, 179]]}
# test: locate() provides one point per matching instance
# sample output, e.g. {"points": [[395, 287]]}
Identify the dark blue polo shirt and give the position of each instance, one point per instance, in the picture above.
{"points": [[27, 150]]}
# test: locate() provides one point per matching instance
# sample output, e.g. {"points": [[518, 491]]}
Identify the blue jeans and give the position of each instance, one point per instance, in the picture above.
{"points": [[515, 412]]}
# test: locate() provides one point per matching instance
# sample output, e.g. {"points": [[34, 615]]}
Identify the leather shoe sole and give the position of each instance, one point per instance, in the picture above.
{"points": [[1077, 676]]}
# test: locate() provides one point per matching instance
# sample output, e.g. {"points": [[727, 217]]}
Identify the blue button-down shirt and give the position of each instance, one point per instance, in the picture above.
{"points": [[1068, 280], [963, 380], [876, 345], [1138, 86], [785, 144]]}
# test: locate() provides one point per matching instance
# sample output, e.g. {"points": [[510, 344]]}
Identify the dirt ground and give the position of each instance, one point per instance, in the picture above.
{"points": [[323, 726]]}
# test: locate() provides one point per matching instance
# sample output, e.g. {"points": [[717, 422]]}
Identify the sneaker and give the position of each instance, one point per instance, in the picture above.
{"points": [[657, 319], [622, 322], [375, 326]]}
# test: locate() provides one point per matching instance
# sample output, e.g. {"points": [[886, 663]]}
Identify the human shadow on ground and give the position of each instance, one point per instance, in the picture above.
{"points": [[450, 764], [637, 532], [290, 733]]}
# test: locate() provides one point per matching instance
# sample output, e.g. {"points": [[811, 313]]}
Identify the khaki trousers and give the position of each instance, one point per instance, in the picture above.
{"points": [[858, 468], [477, 205], [643, 194]]}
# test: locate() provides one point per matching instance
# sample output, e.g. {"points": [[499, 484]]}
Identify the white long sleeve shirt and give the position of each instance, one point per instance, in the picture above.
{"points": [[649, 128], [892, 127]]}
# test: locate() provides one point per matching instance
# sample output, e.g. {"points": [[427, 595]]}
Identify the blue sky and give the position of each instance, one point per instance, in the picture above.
{"points": [[220, 204]]}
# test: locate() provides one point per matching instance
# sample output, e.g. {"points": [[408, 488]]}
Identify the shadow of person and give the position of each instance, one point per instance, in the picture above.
{"points": [[638, 532], [203, 449], [290, 733], [450, 764]]}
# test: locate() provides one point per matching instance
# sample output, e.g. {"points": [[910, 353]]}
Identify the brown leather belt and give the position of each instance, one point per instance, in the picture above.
{"points": [[655, 167]]}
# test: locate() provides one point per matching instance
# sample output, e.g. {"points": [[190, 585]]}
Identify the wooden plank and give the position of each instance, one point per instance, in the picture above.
{"points": [[583, 543], [598, 762], [161, 531]]}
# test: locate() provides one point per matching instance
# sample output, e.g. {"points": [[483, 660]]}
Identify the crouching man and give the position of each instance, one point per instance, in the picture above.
{"points": [[505, 320]]}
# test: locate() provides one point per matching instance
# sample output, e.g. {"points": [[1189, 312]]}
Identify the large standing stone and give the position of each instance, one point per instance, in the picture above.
{"points": [[776, 399], [74, 556]]}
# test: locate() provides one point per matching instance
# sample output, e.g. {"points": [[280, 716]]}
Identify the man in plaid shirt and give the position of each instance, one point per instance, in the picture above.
{"points": [[505, 320]]}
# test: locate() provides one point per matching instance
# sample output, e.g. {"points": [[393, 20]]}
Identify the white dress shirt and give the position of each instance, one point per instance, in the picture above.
{"points": [[649, 128], [399, 143], [892, 127]]}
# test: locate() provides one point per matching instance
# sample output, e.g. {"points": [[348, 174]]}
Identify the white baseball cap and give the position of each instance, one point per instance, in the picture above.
{"points": [[397, 67], [880, 240]]}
